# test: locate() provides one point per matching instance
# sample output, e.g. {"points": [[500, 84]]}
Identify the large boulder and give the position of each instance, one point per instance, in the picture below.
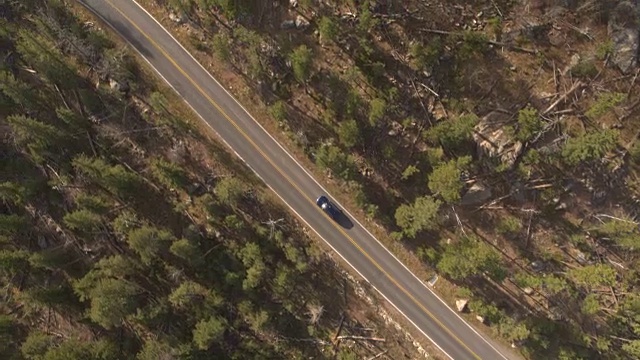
{"points": [[302, 23], [624, 33], [461, 304], [288, 24], [494, 141], [477, 194], [178, 18]]}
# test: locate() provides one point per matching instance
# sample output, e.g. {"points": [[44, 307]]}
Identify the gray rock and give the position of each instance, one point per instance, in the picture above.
{"points": [[494, 141], [42, 242], [623, 31], [434, 279], [528, 27], [301, 23], [537, 266], [115, 85], [178, 19], [555, 314], [477, 194], [396, 129], [518, 191], [288, 24], [528, 290], [575, 61], [562, 206], [461, 304], [582, 258], [196, 189], [178, 152]]}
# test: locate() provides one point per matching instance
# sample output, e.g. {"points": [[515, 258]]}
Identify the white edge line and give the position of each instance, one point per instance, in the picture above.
{"points": [[314, 180], [269, 186]]}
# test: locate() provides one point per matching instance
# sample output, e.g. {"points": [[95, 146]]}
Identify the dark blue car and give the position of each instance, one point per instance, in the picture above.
{"points": [[326, 205]]}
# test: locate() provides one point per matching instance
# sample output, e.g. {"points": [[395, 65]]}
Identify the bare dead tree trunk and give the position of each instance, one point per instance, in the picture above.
{"points": [[495, 43], [576, 86], [378, 355], [353, 337]]}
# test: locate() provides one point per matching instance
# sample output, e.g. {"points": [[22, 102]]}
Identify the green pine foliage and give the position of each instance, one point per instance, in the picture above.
{"points": [[302, 62], [420, 216], [529, 124], [590, 146], [332, 158], [452, 133], [445, 180], [471, 257]]}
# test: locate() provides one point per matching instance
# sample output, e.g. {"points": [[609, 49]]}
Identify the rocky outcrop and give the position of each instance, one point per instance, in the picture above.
{"points": [[302, 23], [461, 304], [625, 35], [477, 194], [494, 141], [178, 18]]}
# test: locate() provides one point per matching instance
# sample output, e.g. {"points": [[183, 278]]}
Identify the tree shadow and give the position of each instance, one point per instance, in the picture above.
{"points": [[123, 30]]}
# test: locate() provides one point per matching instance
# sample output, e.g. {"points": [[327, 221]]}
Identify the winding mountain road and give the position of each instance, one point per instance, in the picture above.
{"points": [[294, 185]]}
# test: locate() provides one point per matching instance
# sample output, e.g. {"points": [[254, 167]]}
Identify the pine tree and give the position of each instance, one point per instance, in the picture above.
{"points": [[84, 221], [445, 180], [301, 62], [9, 337], [419, 216], [328, 29], [39, 139], [377, 110], [471, 257], [195, 298], [230, 190], [349, 133], [208, 332], [158, 350], [188, 251], [452, 133], [112, 301], [115, 178], [341, 165], [36, 345], [149, 242], [594, 275], [11, 192], [169, 174], [254, 261], [529, 124], [221, 47], [590, 146]]}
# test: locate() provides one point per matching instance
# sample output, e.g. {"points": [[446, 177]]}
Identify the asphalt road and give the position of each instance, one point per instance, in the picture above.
{"points": [[292, 183]]}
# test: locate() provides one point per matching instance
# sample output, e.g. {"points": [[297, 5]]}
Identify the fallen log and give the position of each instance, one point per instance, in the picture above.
{"points": [[352, 337]]}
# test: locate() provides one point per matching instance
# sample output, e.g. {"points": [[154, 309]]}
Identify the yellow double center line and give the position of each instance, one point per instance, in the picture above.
{"points": [[283, 174]]}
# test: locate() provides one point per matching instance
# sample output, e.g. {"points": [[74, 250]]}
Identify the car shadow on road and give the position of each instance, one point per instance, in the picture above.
{"points": [[343, 220]]}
